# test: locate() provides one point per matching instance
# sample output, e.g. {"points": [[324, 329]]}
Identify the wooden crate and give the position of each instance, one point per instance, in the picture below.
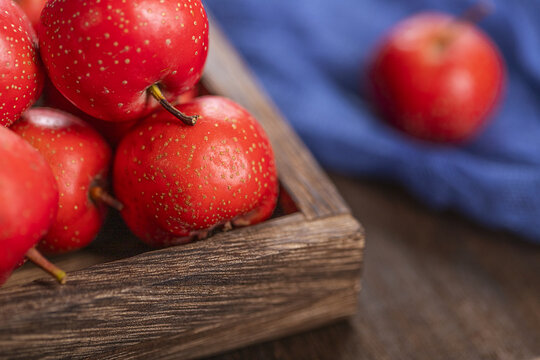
{"points": [[288, 274]]}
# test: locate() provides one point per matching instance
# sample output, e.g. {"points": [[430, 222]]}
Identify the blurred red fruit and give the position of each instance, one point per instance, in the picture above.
{"points": [[437, 78]]}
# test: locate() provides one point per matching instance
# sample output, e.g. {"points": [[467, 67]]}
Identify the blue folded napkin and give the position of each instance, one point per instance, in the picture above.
{"points": [[310, 55]]}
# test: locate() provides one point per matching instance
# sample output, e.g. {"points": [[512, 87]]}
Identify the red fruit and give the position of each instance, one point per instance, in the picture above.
{"points": [[80, 159], [32, 9], [108, 57], [29, 199], [22, 78], [437, 78], [178, 182]]}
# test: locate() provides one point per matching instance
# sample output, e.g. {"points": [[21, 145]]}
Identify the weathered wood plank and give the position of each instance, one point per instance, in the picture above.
{"points": [[238, 287], [115, 242]]}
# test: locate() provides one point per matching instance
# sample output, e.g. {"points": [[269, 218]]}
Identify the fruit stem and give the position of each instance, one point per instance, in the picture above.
{"points": [[472, 15], [97, 193], [476, 12], [155, 91], [35, 256]]}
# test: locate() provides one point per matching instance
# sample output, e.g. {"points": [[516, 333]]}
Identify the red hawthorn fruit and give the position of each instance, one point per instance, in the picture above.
{"points": [[110, 57], [178, 182], [437, 77], [21, 78], [80, 160]]}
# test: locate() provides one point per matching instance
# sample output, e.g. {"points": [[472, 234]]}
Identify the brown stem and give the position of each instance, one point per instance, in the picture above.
{"points": [[155, 91], [476, 12], [35, 256], [472, 15], [99, 194]]}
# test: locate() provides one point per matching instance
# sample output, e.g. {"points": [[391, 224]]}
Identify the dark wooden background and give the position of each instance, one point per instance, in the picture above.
{"points": [[435, 286]]}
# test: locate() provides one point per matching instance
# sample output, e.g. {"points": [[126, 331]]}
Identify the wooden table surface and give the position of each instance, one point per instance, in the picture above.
{"points": [[435, 286]]}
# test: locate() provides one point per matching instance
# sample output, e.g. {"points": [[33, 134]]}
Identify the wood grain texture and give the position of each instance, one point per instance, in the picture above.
{"points": [[435, 287], [227, 74], [233, 289]]}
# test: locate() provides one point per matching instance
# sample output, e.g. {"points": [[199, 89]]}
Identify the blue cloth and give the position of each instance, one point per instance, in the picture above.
{"points": [[310, 55]]}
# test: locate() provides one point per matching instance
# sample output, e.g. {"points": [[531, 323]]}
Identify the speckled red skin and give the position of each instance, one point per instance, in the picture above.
{"points": [[79, 157], [21, 79], [104, 55], [32, 9], [178, 181], [436, 78], [29, 198]]}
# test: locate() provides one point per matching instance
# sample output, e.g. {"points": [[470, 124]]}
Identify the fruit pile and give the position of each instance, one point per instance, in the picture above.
{"points": [[118, 75]]}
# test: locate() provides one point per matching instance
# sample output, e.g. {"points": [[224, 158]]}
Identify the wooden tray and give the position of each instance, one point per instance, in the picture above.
{"points": [[124, 300]]}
